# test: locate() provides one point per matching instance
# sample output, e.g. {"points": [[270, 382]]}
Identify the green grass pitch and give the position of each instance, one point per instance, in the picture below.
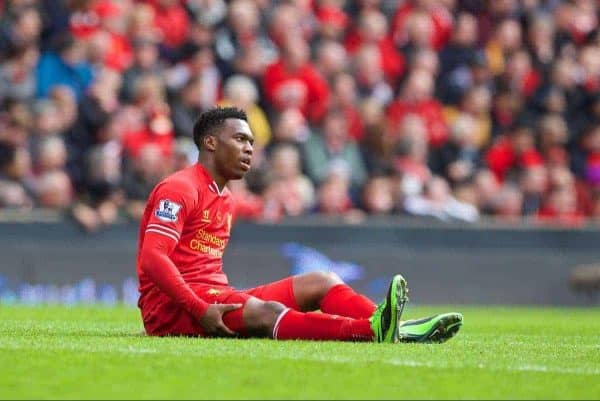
{"points": [[52, 352]]}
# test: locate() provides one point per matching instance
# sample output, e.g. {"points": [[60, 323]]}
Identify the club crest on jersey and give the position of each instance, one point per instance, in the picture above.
{"points": [[167, 210]]}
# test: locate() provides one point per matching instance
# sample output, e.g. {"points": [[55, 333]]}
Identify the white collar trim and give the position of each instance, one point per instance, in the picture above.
{"points": [[215, 188]]}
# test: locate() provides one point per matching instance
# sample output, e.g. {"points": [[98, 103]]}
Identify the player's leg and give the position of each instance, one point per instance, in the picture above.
{"points": [[326, 291], [270, 319], [288, 323], [267, 319], [317, 290]]}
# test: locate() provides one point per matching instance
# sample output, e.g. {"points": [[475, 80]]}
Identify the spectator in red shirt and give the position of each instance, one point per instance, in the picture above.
{"points": [[172, 20], [416, 97], [577, 19], [332, 20], [293, 82], [84, 19], [516, 149], [561, 207], [345, 97], [103, 26], [520, 75], [439, 16], [113, 20], [372, 29], [156, 125], [140, 24], [158, 130], [506, 106]]}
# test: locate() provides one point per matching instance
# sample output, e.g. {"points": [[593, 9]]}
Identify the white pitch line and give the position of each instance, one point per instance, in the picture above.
{"points": [[431, 365], [315, 358]]}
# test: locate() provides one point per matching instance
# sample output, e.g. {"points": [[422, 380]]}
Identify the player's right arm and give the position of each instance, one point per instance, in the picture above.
{"points": [[170, 210]]}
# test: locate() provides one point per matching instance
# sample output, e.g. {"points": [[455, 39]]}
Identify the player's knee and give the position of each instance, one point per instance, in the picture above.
{"points": [[271, 311], [261, 316]]}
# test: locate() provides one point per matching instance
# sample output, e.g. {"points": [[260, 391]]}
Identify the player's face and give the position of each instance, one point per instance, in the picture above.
{"points": [[233, 153]]}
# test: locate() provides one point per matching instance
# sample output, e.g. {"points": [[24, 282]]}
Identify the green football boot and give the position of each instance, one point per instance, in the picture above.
{"points": [[433, 329], [384, 320]]}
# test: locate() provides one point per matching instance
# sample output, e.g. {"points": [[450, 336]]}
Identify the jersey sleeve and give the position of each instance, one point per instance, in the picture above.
{"points": [[156, 263], [172, 204]]}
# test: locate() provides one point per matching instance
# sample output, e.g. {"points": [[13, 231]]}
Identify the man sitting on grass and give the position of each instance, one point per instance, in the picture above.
{"points": [[184, 230]]}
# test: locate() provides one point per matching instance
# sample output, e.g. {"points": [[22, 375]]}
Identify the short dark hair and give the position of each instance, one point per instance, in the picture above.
{"points": [[215, 118]]}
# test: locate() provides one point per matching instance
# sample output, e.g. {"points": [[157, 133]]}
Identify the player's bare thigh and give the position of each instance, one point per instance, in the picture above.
{"points": [[303, 292], [311, 288]]}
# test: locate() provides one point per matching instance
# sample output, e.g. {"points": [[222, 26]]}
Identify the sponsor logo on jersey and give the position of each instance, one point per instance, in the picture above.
{"points": [[167, 210]]}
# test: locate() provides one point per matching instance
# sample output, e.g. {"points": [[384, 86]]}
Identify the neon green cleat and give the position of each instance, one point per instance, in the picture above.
{"points": [[384, 320], [433, 329]]}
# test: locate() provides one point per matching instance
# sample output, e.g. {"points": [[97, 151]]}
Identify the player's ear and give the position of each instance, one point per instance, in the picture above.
{"points": [[210, 143]]}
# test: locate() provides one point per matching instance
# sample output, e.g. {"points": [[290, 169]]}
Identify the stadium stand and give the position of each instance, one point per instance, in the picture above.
{"points": [[456, 109]]}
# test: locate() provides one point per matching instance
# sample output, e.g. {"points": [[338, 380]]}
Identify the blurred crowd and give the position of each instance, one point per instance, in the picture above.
{"points": [[453, 109]]}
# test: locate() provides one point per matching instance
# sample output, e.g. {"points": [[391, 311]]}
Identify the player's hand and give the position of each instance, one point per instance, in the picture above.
{"points": [[212, 321]]}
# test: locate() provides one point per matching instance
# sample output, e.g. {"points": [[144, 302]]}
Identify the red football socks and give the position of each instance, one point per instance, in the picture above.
{"points": [[294, 325], [344, 301]]}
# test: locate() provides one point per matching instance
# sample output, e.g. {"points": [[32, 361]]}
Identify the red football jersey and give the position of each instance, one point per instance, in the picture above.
{"points": [[188, 208]]}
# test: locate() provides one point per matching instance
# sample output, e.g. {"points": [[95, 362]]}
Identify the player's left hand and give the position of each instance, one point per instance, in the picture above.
{"points": [[212, 321]]}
